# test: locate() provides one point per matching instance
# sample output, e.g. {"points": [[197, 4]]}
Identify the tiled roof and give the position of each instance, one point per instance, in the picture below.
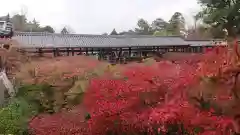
{"points": [[3, 18], [36, 39], [199, 42]]}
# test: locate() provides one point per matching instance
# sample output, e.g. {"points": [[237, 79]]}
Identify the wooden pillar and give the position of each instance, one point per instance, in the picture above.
{"points": [[40, 52], [129, 52], [199, 49], [80, 51], [57, 52], [192, 49], [188, 49], [112, 56], [92, 51], [120, 55], [54, 52], [100, 54], [104, 51], [86, 49], [140, 52], [68, 51], [167, 50], [184, 49], [72, 51]]}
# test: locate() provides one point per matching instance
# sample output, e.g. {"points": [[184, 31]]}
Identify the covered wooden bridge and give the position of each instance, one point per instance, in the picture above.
{"points": [[112, 48]]}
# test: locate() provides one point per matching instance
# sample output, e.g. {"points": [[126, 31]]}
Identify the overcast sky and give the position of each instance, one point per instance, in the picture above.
{"points": [[99, 16]]}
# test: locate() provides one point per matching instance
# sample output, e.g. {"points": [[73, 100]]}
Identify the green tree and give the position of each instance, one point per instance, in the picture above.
{"points": [[159, 24], [105, 34], [217, 32], [48, 29], [222, 14], [203, 30], [35, 23], [163, 32], [67, 30], [64, 31], [129, 32], [33, 26], [19, 22], [8, 17], [177, 24], [143, 27], [114, 32]]}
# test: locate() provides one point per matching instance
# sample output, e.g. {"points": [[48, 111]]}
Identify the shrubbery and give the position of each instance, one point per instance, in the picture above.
{"points": [[164, 98], [29, 101], [151, 102], [14, 117], [181, 98]]}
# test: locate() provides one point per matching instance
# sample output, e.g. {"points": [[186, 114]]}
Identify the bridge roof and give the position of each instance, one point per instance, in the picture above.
{"points": [[36, 39]]}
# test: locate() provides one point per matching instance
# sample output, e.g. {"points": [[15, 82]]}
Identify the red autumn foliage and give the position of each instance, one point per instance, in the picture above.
{"points": [[150, 100], [68, 123], [147, 101]]}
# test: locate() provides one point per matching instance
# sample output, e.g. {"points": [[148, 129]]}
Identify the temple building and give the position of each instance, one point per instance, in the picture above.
{"points": [[6, 27]]}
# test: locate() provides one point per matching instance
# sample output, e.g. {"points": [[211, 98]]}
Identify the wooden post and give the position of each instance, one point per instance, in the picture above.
{"points": [[100, 54], [72, 51], [92, 51], [40, 52], [68, 51], [54, 52], [57, 52], [80, 51], [120, 55], [129, 52], [86, 51]]}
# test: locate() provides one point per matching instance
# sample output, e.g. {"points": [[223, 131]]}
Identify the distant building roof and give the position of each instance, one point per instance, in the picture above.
{"points": [[4, 18], [38, 39]]}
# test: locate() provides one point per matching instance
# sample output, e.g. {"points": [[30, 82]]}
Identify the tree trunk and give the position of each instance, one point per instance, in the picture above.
{"points": [[231, 35], [232, 44]]}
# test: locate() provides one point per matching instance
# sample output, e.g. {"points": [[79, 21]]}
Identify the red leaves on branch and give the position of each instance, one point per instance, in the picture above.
{"points": [[214, 61], [150, 100], [67, 123]]}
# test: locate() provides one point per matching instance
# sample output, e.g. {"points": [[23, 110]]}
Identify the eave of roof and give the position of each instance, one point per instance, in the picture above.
{"points": [[43, 39]]}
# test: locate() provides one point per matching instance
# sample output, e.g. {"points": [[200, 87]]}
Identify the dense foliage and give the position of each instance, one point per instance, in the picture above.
{"points": [[162, 98], [222, 15], [14, 117]]}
